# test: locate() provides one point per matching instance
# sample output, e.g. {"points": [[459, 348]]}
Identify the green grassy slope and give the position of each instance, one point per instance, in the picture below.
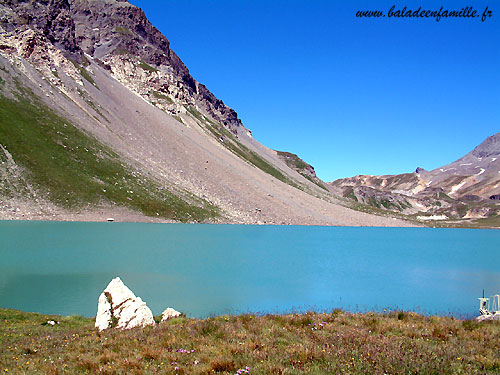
{"points": [[75, 170]]}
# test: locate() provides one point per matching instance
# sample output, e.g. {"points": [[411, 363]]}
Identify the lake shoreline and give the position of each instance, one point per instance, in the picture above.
{"points": [[137, 218], [86, 219], [123, 215], [22, 210]]}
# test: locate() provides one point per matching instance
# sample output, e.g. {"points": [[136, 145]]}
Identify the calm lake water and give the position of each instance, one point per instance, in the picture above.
{"points": [[202, 270]]}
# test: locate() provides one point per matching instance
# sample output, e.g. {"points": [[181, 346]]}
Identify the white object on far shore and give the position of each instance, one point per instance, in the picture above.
{"points": [[119, 308], [489, 308], [110, 219], [433, 217], [169, 313]]}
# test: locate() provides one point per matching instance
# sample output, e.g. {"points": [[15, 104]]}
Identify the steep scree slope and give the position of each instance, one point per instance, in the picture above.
{"points": [[100, 118]]}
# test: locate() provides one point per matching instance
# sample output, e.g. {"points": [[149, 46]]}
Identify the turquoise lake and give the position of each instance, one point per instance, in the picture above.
{"points": [[203, 270]]}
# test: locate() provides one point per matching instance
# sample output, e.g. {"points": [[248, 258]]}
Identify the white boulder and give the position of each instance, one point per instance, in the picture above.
{"points": [[169, 313], [119, 308]]}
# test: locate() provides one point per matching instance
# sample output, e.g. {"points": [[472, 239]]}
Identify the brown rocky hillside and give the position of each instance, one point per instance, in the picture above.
{"points": [[99, 118]]}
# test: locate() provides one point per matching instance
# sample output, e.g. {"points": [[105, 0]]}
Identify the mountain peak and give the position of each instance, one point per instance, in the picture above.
{"points": [[420, 170], [490, 147]]}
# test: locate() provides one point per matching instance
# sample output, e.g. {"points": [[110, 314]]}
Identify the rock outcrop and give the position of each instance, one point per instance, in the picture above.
{"points": [[118, 35], [50, 18], [300, 166], [169, 313], [120, 308]]}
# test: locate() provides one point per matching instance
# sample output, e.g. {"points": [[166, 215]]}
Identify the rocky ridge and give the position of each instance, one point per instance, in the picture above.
{"points": [[299, 165], [119, 36], [465, 189]]}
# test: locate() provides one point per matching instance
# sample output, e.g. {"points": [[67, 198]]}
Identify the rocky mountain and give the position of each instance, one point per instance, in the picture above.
{"points": [[468, 188], [118, 36], [100, 119], [300, 166]]}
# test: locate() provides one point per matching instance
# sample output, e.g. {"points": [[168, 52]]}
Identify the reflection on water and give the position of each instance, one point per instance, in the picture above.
{"points": [[203, 270]]}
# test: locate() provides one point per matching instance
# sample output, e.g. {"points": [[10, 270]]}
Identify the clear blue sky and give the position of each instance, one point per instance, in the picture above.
{"points": [[348, 95]]}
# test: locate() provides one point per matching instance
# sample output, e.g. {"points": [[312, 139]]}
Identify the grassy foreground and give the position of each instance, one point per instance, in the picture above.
{"points": [[337, 342]]}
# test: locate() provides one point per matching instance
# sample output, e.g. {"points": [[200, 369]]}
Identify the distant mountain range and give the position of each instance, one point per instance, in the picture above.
{"points": [[100, 119], [468, 188]]}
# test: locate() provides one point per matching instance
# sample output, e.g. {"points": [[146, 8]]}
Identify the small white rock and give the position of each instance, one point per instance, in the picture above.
{"points": [[169, 313]]}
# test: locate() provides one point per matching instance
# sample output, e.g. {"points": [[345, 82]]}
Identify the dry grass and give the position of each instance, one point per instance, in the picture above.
{"points": [[315, 343]]}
